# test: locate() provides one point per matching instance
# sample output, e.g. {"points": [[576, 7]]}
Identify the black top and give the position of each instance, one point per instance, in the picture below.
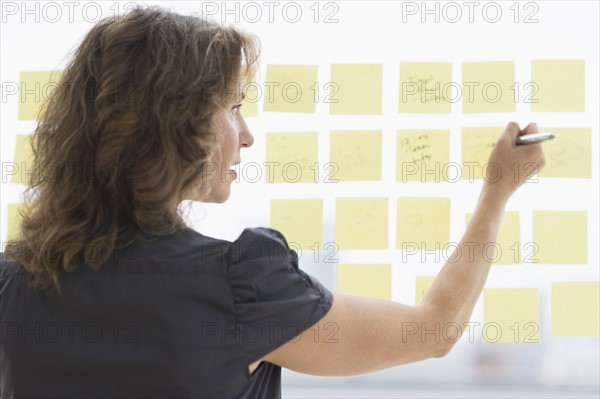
{"points": [[179, 317]]}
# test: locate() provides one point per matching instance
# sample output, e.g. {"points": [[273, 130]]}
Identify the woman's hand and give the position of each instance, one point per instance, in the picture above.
{"points": [[509, 165]]}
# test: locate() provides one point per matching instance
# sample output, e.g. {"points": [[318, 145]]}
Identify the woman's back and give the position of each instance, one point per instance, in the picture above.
{"points": [[180, 316]]}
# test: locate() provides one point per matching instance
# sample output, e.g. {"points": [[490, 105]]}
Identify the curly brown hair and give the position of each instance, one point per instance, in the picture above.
{"points": [[126, 133]]}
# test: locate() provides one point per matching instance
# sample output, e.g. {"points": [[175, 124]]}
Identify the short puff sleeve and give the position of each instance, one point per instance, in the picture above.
{"points": [[274, 300]]}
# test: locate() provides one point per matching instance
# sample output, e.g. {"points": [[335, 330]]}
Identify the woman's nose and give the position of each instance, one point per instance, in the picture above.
{"points": [[246, 137]]}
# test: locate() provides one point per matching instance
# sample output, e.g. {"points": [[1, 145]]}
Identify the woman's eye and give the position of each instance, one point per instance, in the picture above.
{"points": [[236, 107]]}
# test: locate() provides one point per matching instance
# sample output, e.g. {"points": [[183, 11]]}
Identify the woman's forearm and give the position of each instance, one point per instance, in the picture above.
{"points": [[457, 287]]}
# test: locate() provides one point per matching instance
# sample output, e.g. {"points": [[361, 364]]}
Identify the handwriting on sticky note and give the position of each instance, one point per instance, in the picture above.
{"points": [[365, 280], [417, 150], [569, 155], [425, 87], [422, 155]]}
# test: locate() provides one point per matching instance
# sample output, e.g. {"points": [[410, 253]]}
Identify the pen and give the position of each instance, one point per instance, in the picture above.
{"points": [[534, 138]]}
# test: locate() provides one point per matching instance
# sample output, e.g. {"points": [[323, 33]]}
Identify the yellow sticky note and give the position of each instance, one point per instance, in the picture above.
{"points": [[422, 285], [487, 87], [557, 86], [425, 87], [250, 103], [569, 155], [511, 315], [23, 159], [365, 280], [422, 155], [14, 221], [355, 89], [361, 223], [35, 90], [292, 157], [507, 250], [560, 237], [299, 220], [575, 309], [477, 145], [290, 88], [355, 155], [423, 223]]}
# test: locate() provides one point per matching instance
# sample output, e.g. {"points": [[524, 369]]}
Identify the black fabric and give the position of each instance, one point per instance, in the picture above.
{"points": [[178, 317]]}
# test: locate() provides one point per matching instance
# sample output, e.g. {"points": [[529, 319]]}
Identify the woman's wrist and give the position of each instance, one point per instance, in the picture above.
{"points": [[493, 198]]}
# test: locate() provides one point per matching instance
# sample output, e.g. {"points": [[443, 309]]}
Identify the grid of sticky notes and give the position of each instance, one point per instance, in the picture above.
{"points": [[424, 88], [421, 155]]}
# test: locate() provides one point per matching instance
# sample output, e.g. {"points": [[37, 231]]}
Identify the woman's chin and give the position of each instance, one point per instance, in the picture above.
{"points": [[220, 197]]}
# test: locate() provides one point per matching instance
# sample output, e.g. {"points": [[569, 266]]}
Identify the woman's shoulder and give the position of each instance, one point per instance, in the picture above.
{"points": [[260, 244], [252, 242]]}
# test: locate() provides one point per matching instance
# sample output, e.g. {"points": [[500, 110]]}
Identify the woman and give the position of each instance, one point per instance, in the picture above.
{"points": [[107, 293]]}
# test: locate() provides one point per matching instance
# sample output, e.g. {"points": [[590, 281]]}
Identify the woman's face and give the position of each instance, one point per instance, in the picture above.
{"points": [[234, 135]]}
